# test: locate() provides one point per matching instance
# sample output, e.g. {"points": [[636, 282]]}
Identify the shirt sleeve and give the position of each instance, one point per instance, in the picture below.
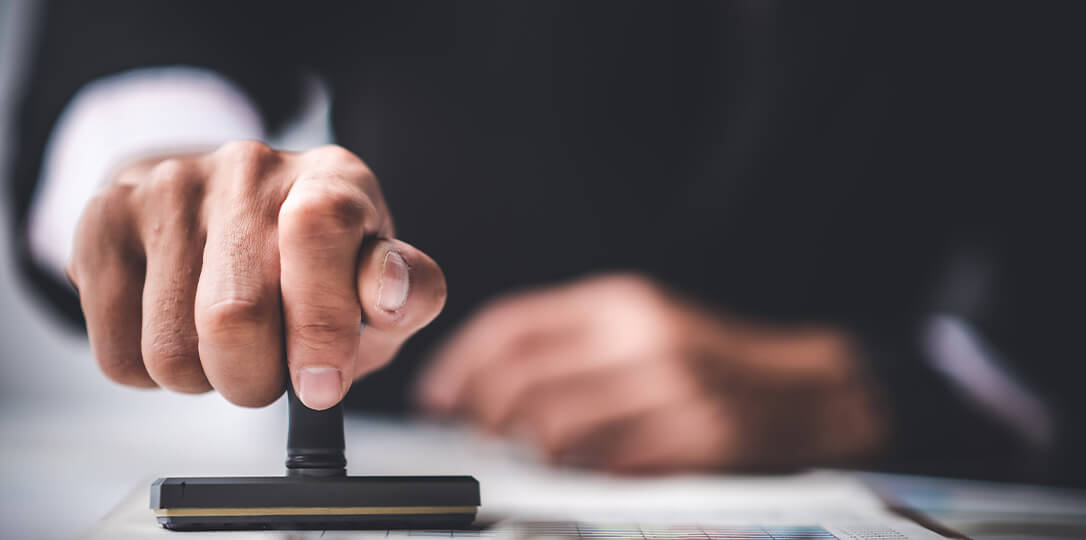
{"points": [[118, 119]]}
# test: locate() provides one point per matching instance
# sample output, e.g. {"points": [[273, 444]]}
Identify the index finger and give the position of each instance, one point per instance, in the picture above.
{"points": [[321, 226]]}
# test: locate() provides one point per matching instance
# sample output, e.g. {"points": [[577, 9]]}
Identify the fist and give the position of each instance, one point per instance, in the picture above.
{"points": [[232, 269], [619, 373]]}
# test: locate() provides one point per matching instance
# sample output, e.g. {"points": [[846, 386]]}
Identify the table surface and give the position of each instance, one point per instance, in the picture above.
{"points": [[65, 467]]}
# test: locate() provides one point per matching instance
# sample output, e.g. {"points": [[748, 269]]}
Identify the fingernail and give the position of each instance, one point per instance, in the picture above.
{"points": [[320, 387], [395, 282]]}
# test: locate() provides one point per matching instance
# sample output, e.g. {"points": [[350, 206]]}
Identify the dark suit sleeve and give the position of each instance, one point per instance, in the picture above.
{"points": [[864, 150], [78, 42], [995, 156]]}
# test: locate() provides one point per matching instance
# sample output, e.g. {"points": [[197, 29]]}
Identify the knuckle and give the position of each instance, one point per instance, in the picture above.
{"points": [[248, 161], [323, 209], [170, 172], [176, 365], [172, 181], [325, 328], [338, 158], [121, 371], [169, 356], [232, 323], [248, 152]]}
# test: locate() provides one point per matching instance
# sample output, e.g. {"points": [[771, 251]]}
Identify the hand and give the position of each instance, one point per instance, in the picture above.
{"points": [[616, 372], [202, 271]]}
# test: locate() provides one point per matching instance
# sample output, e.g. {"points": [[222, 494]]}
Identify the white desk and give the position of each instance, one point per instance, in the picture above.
{"points": [[67, 466]]}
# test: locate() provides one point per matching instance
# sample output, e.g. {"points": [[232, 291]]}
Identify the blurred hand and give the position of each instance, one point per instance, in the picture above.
{"points": [[616, 372], [202, 271]]}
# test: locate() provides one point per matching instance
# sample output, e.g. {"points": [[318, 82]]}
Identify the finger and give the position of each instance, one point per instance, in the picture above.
{"points": [[564, 411], [107, 269], [348, 166], [492, 392], [401, 290], [172, 238], [238, 314], [526, 316], [695, 433], [321, 226], [515, 322]]}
